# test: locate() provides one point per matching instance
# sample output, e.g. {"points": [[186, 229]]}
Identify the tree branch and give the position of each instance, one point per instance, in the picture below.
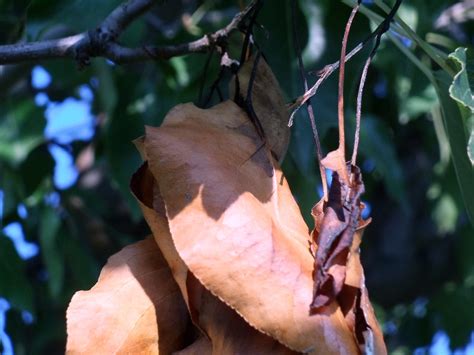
{"points": [[101, 42], [122, 16]]}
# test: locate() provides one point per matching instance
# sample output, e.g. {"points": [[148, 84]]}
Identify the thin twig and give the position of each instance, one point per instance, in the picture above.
{"points": [[340, 100], [363, 78], [360, 93], [309, 106], [359, 110], [249, 33], [204, 76], [248, 98], [331, 68], [101, 42]]}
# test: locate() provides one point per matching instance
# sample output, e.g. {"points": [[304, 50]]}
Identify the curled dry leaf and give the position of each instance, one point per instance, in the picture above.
{"points": [[201, 346], [334, 232], [339, 275], [135, 307], [229, 333], [267, 102], [237, 228], [336, 161], [235, 243], [146, 190], [355, 303], [223, 330]]}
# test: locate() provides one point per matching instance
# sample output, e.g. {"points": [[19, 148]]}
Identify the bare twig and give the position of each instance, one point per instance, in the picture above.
{"points": [[101, 42], [309, 106], [331, 68], [340, 100], [364, 77], [359, 109]]}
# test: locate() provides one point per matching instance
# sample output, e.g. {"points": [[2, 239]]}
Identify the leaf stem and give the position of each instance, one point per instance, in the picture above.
{"points": [[340, 101]]}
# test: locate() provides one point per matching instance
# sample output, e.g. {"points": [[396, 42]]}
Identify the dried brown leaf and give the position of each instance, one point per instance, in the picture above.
{"points": [[339, 275], [228, 332], [237, 227], [225, 331], [146, 190], [135, 307], [267, 102], [335, 229], [336, 161], [355, 303], [200, 347]]}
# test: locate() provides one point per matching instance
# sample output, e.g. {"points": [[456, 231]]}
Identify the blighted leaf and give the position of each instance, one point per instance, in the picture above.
{"points": [[335, 161], [335, 226], [228, 332], [236, 226], [339, 275], [146, 191], [266, 100], [135, 307], [201, 346]]}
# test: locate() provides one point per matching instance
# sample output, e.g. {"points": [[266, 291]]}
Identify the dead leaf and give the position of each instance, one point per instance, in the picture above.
{"points": [[237, 227], [228, 332], [335, 229], [336, 161], [267, 102], [200, 347], [146, 191], [338, 271], [135, 307], [225, 331]]}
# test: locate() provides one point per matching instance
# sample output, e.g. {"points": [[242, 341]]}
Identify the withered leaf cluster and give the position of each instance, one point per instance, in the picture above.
{"points": [[229, 268]]}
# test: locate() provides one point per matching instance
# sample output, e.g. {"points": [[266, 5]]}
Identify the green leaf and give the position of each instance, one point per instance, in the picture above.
{"points": [[445, 214], [376, 142], [38, 166], [122, 156], [12, 19], [279, 42], [80, 261], [11, 186], [78, 15], [48, 232], [14, 285], [453, 121], [453, 315], [106, 92], [21, 130], [461, 89]]}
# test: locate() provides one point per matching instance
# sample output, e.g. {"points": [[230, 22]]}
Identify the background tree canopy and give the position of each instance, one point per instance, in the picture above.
{"points": [[66, 155]]}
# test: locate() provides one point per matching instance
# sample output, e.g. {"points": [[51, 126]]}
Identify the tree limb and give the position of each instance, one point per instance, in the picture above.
{"points": [[101, 42]]}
